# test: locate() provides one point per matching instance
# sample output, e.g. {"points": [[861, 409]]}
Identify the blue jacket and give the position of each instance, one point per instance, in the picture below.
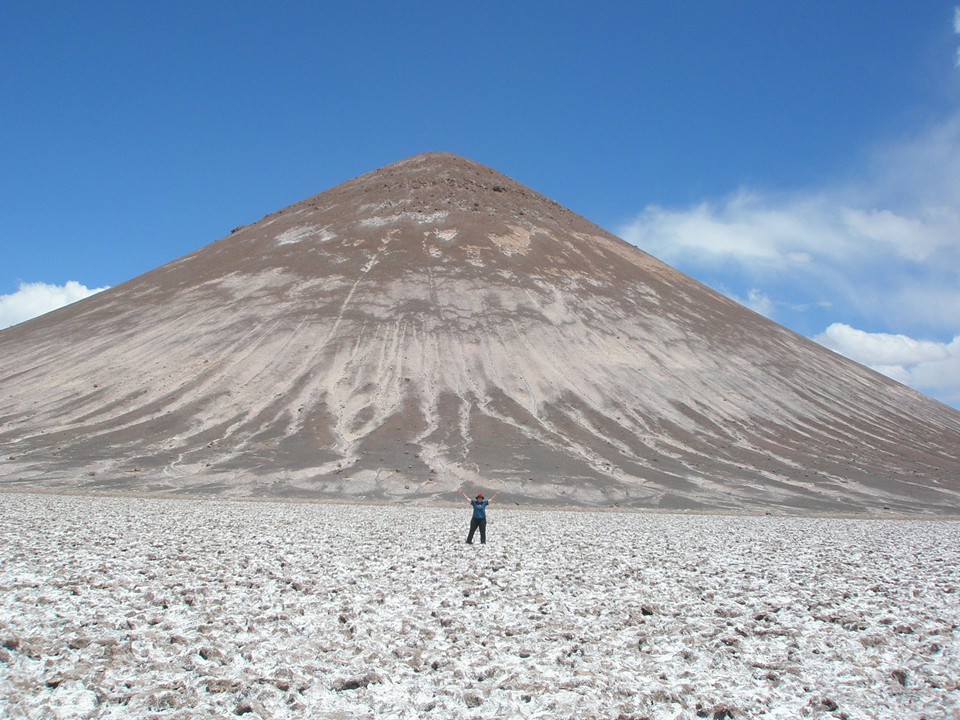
{"points": [[480, 509]]}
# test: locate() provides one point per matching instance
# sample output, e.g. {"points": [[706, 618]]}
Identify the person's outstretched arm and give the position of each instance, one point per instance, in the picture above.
{"points": [[464, 494], [495, 496]]}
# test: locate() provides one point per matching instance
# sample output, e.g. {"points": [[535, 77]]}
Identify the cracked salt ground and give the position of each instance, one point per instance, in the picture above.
{"points": [[130, 608]]}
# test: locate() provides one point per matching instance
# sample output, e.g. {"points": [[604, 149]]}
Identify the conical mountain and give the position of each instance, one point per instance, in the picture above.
{"points": [[433, 324]]}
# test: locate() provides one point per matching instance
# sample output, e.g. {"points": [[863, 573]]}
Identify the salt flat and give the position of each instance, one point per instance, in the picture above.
{"points": [[131, 608]]}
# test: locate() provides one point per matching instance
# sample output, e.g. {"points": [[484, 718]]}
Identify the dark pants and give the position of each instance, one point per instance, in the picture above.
{"points": [[478, 523]]}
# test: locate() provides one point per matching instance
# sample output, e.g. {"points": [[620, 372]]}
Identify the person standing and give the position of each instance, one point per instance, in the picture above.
{"points": [[479, 519]]}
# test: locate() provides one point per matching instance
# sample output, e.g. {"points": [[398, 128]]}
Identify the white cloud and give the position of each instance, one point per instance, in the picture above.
{"points": [[749, 228], [756, 300], [760, 302], [885, 248], [880, 250], [881, 349], [808, 234], [956, 29], [33, 299], [923, 364], [912, 238]]}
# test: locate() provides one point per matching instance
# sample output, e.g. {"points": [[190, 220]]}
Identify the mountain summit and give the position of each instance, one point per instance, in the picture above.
{"points": [[434, 323]]}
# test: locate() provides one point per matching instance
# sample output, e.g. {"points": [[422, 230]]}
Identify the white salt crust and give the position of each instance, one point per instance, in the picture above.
{"points": [[137, 608]]}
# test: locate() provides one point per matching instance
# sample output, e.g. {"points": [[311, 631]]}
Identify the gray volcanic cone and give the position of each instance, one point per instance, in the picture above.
{"points": [[434, 323]]}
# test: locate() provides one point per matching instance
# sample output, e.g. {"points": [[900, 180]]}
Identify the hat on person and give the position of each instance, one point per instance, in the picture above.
{"points": [[479, 495]]}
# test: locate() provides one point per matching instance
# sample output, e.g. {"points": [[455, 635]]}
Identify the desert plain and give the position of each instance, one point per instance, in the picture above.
{"points": [[125, 607]]}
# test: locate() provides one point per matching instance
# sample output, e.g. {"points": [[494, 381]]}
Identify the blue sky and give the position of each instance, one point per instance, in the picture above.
{"points": [[803, 158]]}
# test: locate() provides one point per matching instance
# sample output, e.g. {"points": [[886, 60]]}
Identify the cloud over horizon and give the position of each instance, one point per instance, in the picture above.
{"points": [[34, 299], [880, 252], [921, 364]]}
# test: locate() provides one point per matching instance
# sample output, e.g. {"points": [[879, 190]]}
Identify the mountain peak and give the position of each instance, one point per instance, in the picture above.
{"points": [[442, 182]]}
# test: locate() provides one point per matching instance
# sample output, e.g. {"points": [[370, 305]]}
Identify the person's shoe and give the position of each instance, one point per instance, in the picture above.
{"points": [[469, 542]]}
